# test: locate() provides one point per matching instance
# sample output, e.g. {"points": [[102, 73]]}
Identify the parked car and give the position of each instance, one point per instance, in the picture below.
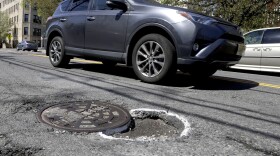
{"points": [[262, 50], [154, 39], [27, 45]]}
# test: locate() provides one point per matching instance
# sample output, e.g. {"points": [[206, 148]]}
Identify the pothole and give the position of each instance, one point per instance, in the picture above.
{"points": [[148, 124], [86, 116]]}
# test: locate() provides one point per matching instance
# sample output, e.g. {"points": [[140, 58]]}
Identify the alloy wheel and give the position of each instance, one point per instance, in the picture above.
{"points": [[150, 59], [55, 51]]}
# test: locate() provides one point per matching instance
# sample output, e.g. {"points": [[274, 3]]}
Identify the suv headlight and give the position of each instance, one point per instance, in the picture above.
{"points": [[197, 18]]}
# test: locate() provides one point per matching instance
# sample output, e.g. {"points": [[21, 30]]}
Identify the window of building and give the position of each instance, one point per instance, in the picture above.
{"points": [[36, 32], [35, 6], [26, 17], [26, 5], [37, 19], [15, 32], [25, 31]]}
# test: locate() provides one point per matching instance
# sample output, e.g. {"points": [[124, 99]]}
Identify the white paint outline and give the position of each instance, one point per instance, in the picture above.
{"points": [[185, 132]]}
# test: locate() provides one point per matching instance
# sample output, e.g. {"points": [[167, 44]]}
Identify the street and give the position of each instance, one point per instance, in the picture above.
{"points": [[231, 113]]}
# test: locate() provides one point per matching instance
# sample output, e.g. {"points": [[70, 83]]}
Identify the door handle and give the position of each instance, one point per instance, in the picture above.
{"points": [[257, 49], [267, 49], [90, 18], [62, 19]]}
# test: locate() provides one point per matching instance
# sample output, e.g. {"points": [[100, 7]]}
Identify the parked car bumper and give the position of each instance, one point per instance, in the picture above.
{"points": [[222, 53]]}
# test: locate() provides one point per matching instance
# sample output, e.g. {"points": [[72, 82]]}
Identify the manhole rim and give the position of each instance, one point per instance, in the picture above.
{"points": [[112, 129]]}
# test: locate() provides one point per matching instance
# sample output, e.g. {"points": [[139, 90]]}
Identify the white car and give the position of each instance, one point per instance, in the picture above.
{"points": [[262, 50]]}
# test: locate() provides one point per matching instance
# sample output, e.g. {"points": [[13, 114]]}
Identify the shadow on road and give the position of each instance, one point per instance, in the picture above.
{"points": [[179, 80], [254, 72]]}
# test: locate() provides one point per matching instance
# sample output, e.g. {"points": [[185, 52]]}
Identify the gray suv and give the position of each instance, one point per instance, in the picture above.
{"points": [[154, 39]]}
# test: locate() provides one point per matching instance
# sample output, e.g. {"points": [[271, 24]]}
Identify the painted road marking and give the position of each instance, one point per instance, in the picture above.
{"points": [[38, 55], [75, 59], [228, 79], [86, 61], [248, 82], [269, 85]]}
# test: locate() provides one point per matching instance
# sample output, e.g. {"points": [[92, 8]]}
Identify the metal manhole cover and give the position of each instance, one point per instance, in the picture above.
{"points": [[89, 116]]}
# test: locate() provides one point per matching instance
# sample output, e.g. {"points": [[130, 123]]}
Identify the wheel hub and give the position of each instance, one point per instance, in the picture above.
{"points": [[55, 51], [150, 59]]}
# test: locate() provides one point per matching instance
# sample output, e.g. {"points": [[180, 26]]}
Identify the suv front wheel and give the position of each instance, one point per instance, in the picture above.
{"points": [[57, 53], [154, 58]]}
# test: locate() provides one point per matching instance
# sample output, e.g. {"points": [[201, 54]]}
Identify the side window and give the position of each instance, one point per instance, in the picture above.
{"points": [[79, 5], [254, 37], [64, 5], [271, 36], [101, 5]]}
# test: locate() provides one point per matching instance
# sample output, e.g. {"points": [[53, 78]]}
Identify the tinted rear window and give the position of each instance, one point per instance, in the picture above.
{"points": [[79, 5], [64, 5], [271, 36]]}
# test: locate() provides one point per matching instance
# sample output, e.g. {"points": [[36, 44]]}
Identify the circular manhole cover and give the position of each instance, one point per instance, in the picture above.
{"points": [[89, 116]]}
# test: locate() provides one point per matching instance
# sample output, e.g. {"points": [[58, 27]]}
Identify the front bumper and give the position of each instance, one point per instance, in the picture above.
{"points": [[222, 52]]}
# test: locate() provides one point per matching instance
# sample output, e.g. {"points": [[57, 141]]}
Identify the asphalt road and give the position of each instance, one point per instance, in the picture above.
{"points": [[231, 113]]}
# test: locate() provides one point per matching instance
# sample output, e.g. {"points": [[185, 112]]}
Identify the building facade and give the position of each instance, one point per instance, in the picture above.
{"points": [[26, 24]]}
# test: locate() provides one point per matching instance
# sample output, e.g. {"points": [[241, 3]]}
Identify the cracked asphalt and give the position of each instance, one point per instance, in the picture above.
{"points": [[231, 113]]}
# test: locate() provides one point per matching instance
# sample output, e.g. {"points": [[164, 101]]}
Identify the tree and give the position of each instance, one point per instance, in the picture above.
{"points": [[5, 26], [45, 8], [249, 14]]}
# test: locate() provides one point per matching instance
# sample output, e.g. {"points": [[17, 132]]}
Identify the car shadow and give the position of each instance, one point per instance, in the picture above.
{"points": [[254, 72], [178, 80]]}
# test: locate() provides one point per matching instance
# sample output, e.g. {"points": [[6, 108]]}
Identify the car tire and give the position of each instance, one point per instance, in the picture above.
{"points": [[57, 55], [156, 64], [22, 49], [35, 50], [109, 63]]}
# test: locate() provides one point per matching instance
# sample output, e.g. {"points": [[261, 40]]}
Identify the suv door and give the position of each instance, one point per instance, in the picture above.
{"points": [[73, 26], [252, 56], [105, 31], [271, 49]]}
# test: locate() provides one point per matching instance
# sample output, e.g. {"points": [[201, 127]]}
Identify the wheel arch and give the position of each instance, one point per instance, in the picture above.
{"points": [[55, 32], [144, 30]]}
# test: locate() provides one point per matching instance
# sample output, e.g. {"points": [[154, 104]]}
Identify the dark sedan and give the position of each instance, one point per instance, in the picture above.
{"points": [[27, 45]]}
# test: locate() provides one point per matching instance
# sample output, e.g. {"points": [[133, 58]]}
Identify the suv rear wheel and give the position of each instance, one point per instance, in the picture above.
{"points": [[57, 54], [153, 58]]}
